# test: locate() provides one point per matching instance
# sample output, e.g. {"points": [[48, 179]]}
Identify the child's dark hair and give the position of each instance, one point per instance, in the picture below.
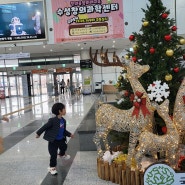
{"points": [[56, 107]]}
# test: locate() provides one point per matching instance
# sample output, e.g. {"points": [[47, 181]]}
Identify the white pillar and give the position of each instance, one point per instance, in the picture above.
{"points": [[87, 76]]}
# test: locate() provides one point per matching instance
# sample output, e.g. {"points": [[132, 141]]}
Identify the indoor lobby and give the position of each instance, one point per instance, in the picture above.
{"points": [[25, 158]]}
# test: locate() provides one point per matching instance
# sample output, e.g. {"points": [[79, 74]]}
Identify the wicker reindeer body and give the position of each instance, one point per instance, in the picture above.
{"points": [[109, 117]]}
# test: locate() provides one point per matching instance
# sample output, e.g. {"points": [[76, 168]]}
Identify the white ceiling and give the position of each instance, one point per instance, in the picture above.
{"points": [[64, 49]]}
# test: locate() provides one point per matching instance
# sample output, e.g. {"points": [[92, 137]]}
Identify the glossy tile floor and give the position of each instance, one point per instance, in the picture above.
{"points": [[25, 159]]}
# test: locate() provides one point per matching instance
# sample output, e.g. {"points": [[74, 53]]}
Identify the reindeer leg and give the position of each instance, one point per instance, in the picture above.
{"points": [[132, 144], [97, 137], [105, 141]]}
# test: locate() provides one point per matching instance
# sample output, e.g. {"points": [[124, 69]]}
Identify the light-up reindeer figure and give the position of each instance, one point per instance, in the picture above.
{"points": [[108, 117], [179, 111], [150, 142]]}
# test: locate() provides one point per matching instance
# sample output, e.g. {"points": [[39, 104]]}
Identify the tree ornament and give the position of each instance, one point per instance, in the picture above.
{"points": [[158, 91], [120, 101], [169, 52], [176, 69], [126, 93], [135, 47], [152, 50], [174, 28], [126, 57], [134, 59], [145, 23], [118, 84], [183, 57], [131, 37], [168, 77], [120, 77], [167, 37], [164, 129], [164, 15], [182, 41]]}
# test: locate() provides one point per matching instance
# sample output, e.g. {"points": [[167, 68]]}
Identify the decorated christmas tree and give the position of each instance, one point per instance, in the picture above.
{"points": [[157, 45]]}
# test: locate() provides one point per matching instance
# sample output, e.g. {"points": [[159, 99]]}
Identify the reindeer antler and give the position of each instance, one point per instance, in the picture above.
{"points": [[104, 59]]}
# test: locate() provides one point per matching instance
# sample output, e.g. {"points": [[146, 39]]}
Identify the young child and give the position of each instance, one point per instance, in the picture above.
{"points": [[55, 134]]}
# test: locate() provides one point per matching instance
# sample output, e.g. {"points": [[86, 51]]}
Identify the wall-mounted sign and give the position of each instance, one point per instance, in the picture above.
{"points": [[159, 174], [86, 64], [14, 55], [87, 20], [39, 71], [64, 70]]}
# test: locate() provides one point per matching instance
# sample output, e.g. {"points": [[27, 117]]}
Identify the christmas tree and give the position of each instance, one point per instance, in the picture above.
{"points": [[157, 45]]}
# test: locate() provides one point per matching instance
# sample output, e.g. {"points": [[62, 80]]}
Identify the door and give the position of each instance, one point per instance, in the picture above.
{"points": [[39, 84], [15, 85]]}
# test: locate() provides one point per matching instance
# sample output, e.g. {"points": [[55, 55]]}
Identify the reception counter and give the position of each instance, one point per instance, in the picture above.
{"points": [[109, 89]]}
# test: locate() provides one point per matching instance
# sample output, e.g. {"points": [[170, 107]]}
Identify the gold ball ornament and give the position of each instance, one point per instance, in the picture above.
{"points": [[169, 52], [118, 84], [127, 57], [168, 77], [182, 41], [145, 23], [135, 47], [120, 77]]}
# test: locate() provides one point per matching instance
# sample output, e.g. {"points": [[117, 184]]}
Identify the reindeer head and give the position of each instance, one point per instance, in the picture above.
{"points": [[136, 70]]}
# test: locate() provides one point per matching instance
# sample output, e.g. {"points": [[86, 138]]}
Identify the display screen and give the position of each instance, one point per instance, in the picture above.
{"points": [[22, 21], [86, 64]]}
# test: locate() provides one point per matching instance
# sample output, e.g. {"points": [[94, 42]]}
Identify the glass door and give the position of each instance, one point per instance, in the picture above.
{"points": [[43, 85], [15, 85], [39, 84]]}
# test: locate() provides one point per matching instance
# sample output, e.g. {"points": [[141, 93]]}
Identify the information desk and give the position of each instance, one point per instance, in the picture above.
{"points": [[109, 89]]}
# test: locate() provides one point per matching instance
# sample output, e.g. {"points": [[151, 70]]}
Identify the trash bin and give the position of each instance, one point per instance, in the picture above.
{"points": [[98, 87]]}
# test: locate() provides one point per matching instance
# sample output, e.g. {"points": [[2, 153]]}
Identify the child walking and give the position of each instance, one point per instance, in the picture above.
{"points": [[55, 134]]}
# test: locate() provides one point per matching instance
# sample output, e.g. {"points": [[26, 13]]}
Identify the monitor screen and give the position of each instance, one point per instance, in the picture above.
{"points": [[23, 21]]}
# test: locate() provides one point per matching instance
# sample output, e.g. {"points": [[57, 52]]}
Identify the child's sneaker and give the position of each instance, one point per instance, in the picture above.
{"points": [[52, 170], [66, 157]]}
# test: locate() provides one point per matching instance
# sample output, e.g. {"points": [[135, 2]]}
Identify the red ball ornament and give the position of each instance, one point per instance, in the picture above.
{"points": [[126, 93], [134, 59], [152, 50], [164, 15], [183, 57], [132, 37], [176, 69], [164, 129], [167, 37], [174, 28]]}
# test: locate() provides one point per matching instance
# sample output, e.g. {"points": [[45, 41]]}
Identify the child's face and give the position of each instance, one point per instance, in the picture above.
{"points": [[62, 112]]}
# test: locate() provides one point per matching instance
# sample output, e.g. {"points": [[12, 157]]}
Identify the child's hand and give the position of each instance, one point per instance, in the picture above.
{"points": [[72, 136], [37, 136]]}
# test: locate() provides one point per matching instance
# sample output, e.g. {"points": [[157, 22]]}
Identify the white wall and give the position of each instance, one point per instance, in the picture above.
{"points": [[133, 14]]}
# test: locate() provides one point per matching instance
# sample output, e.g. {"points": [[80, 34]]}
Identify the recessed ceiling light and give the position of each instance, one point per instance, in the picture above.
{"points": [[78, 45], [113, 41], [51, 50], [82, 48]]}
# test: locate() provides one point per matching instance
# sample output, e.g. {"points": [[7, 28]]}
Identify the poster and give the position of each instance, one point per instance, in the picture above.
{"points": [[87, 20]]}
